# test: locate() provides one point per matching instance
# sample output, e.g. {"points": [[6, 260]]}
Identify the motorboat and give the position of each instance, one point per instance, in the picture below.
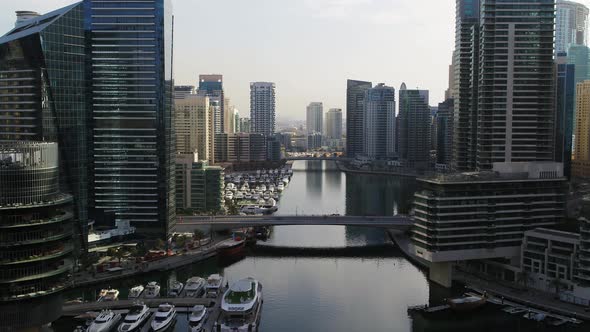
{"points": [[281, 187], [195, 287], [106, 295], [241, 307], [152, 290], [198, 318], [231, 247], [214, 285], [135, 318], [536, 316], [467, 303], [250, 209], [164, 317], [105, 321], [175, 289], [263, 188], [135, 292], [239, 195], [229, 195]]}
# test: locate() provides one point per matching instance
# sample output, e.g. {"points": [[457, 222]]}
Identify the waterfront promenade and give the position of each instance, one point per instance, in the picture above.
{"points": [[85, 278], [531, 298]]}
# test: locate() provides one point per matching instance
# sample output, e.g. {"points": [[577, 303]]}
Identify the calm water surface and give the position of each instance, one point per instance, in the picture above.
{"points": [[337, 293]]}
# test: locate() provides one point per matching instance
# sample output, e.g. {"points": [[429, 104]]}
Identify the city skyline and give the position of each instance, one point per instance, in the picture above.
{"points": [[310, 32]]}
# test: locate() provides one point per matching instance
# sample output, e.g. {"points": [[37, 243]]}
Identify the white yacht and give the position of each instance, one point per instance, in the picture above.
{"points": [[164, 317], [198, 318], [248, 195], [229, 195], [152, 290], [250, 209], [263, 188], [135, 292], [195, 287], [106, 321], [135, 318], [281, 187], [175, 289], [214, 284], [241, 307], [106, 295]]}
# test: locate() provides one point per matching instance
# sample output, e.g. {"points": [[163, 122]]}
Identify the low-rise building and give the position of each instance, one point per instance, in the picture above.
{"points": [[483, 215], [199, 187]]}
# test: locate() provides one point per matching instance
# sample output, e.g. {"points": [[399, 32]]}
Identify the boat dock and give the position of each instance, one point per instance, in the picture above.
{"points": [[181, 303], [427, 309]]}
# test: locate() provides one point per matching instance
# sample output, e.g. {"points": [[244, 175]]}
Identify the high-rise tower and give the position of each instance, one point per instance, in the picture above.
{"points": [[315, 118], [516, 86], [379, 122], [571, 25], [129, 56], [465, 84], [355, 96], [262, 108]]}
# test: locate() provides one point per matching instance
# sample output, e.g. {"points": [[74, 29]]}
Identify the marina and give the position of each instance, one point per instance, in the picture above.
{"points": [[257, 192]]}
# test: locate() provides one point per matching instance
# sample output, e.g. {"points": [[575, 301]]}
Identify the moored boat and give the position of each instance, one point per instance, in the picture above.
{"points": [[231, 248], [195, 287], [152, 290], [241, 307], [214, 285], [197, 318], [135, 292], [467, 303], [135, 318], [164, 317], [105, 321], [175, 289]]}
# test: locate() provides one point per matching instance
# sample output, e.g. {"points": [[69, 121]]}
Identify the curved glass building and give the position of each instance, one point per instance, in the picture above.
{"points": [[35, 235]]}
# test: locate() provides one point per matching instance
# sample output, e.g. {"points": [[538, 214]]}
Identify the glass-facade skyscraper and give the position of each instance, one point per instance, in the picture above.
{"points": [[42, 87], [465, 84], [564, 113], [414, 127], [129, 63], [355, 96], [379, 123], [43, 164], [262, 108]]}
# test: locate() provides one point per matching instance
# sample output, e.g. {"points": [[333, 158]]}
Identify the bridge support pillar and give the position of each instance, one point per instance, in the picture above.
{"points": [[441, 274]]}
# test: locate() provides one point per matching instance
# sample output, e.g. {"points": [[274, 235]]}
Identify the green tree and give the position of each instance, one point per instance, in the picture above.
{"points": [[198, 235], [524, 278], [119, 254], [160, 244], [111, 252], [558, 284]]}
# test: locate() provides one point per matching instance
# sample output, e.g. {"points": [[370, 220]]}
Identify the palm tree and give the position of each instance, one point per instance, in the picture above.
{"points": [[119, 254], [524, 277], [558, 284], [198, 235]]}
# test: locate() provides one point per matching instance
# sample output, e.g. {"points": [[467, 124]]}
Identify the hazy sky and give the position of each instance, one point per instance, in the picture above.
{"points": [[307, 47]]}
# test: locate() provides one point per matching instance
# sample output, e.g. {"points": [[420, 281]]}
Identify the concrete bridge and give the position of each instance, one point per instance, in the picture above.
{"points": [[190, 223], [369, 251]]}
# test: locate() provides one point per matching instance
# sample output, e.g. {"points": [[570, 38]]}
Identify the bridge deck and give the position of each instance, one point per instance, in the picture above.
{"points": [[187, 223]]}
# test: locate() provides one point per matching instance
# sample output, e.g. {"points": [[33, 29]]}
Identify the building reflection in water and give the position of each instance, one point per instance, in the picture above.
{"points": [[375, 195], [313, 178]]}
